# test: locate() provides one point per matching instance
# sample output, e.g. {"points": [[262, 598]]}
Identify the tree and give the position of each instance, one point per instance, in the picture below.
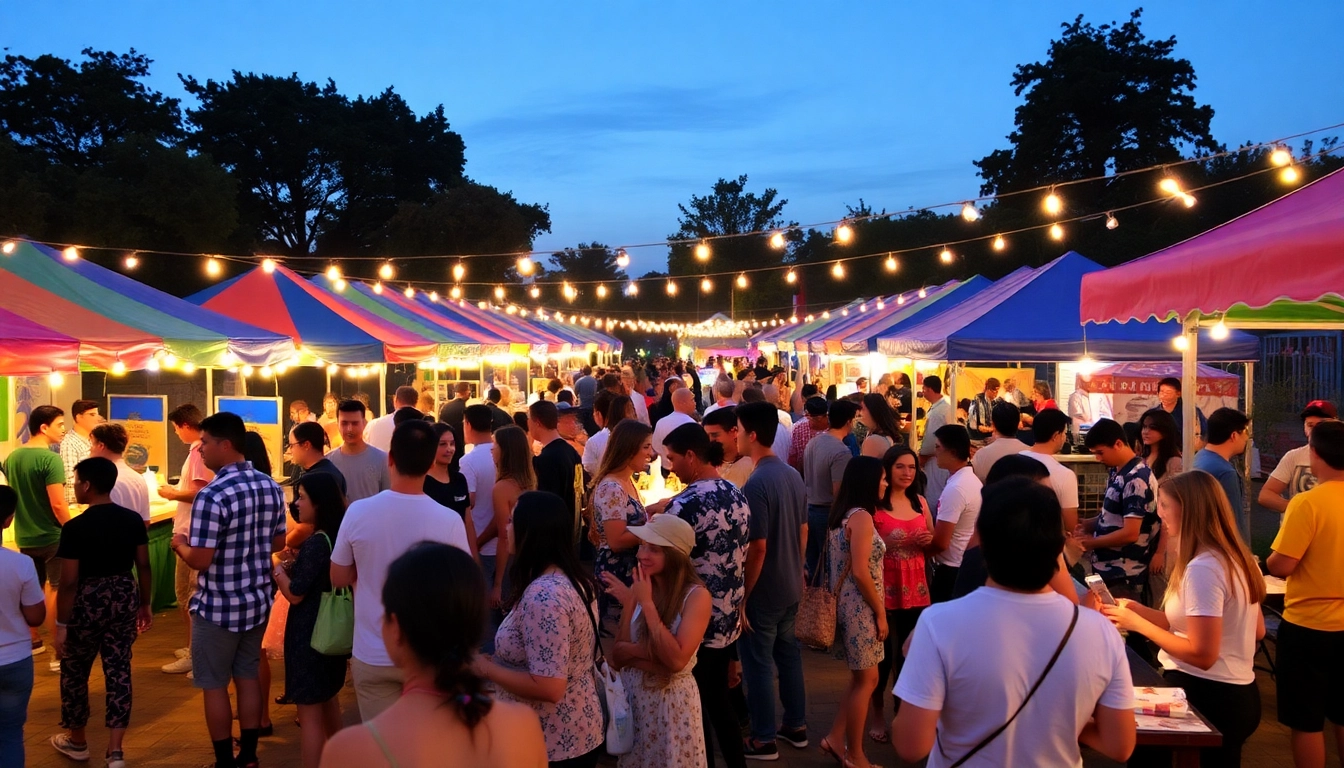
{"points": [[587, 262], [68, 114]]}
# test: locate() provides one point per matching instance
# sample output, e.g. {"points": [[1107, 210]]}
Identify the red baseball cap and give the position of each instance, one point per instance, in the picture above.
{"points": [[1321, 409]]}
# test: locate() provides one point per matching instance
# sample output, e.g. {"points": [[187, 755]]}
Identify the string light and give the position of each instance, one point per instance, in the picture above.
{"points": [[459, 272], [333, 273], [1056, 232], [1111, 221], [671, 288], [188, 367], [1188, 199], [378, 288], [923, 294], [1180, 343], [131, 262], [70, 253], [339, 285], [570, 292], [790, 277], [826, 315], [844, 312], [632, 289], [706, 285], [1289, 175], [118, 368], [434, 296], [1219, 330], [268, 266], [499, 293], [55, 380], [844, 234], [1169, 186], [170, 361], [900, 300], [1281, 156], [891, 264], [386, 271], [267, 371], [969, 212], [526, 266], [881, 304], [409, 292], [945, 255], [212, 267], [8, 247], [601, 291], [1053, 205], [622, 258], [534, 292], [1000, 243], [152, 365], [247, 370], [333, 369], [742, 281], [702, 251], [776, 241], [455, 292], [838, 270]]}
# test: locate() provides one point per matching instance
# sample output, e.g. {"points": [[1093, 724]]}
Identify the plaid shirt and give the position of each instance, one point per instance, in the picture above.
{"points": [[238, 515], [802, 433], [74, 449]]}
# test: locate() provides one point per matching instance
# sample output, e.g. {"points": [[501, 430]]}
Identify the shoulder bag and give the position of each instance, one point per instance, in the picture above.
{"points": [[618, 718], [334, 632], [815, 623]]}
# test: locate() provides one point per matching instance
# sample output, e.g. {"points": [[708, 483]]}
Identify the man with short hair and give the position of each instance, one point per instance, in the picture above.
{"points": [[375, 532], [186, 421], [108, 441], [783, 435], [499, 418], [1005, 418], [451, 412], [824, 462], [585, 388], [1080, 402], [683, 412], [1050, 428], [958, 508], [1085, 693], [307, 444], [597, 442], [1307, 552], [379, 431], [1227, 438], [477, 466], [1124, 536], [75, 446], [1170, 400], [363, 466], [559, 468], [37, 475], [237, 523], [979, 418], [813, 423], [938, 416], [721, 427], [1293, 473], [611, 382], [774, 585], [723, 395]]}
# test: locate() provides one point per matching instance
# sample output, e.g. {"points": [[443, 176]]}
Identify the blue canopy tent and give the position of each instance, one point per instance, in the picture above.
{"points": [[862, 340]]}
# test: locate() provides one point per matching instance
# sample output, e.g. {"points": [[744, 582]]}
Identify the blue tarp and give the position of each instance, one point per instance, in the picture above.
{"points": [[1032, 316]]}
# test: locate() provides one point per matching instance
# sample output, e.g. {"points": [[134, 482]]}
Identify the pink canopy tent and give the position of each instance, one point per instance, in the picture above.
{"points": [[30, 349]]}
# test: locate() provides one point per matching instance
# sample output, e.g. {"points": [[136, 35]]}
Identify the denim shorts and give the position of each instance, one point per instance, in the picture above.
{"points": [[218, 654]]}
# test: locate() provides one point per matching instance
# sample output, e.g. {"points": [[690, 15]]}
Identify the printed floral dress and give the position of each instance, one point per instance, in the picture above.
{"points": [[611, 502], [669, 732], [858, 623]]}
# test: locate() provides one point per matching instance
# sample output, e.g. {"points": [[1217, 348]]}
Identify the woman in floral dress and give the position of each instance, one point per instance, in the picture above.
{"points": [[616, 507], [545, 647], [855, 552], [664, 614], [904, 522]]}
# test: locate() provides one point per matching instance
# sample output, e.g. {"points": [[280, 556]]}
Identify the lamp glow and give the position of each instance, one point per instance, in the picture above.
{"points": [[8, 247], [945, 256], [247, 370], [70, 254], [622, 258], [333, 273], [742, 281], [459, 272], [791, 277], [838, 271], [923, 294], [339, 285], [702, 251], [671, 288], [706, 285], [118, 368], [1000, 243], [212, 267], [1289, 175], [386, 271], [409, 292], [969, 212], [776, 241], [55, 380], [499, 292], [535, 292], [844, 234], [891, 264], [526, 266], [188, 367], [1056, 232], [1053, 205], [601, 291], [152, 365], [1169, 186], [1219, 331], [1111, 221], [1281, 157], [132, 262], [1181, 343], [1188, 200], [378, 288], [455, 292]]}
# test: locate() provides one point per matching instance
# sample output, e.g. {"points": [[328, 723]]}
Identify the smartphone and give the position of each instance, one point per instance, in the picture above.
{"points": [[1099, 589]]}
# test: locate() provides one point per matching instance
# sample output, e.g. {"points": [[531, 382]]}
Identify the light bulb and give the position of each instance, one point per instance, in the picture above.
{"points": [[671, 288], [228, 358], [212, 267], [339, 285], [55, 380], [1056, 232], [1111, 221], [838, 270], [535, 292], [900, 299], [891, 264], [268, 266], [809, 318], [969, 212], [71, 253], [8, 247], [526, 266], [601, 291], [702, 251], [1181, 343], [455, 292], [267, 371], [844, 234], [1000, 243], [776, 241], [923, 294], [571, 293], [118, 368], [881, 304], [793, 319], [409, 292], [945, 256], [1170, 186], [132, 262], [433, 295], [170, 361], [742, 281], [459, 272], [826, 315], [622, 258], [378, 288], [333, 369], [791, 277], [1053, 204], [1289, 175], [632, 289], [188, 367], [385, 271], [844, 312], [333, 273], [1219, 331], [152, 365], [247, 370], [1281, 156], [499, 292], [351, 373], [1188, 200], [706, 285]]}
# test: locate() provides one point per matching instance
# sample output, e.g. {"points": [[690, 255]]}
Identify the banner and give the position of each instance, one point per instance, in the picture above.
{"points": [[145, 418], [263, 415]]}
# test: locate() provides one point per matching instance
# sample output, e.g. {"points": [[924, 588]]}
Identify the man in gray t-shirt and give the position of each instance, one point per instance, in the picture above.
{"points": [[364, 467], [824, 462]]}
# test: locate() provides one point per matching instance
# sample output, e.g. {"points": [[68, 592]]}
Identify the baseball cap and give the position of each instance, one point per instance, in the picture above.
{"points": [[566, 409], [1320, 408], [666, 531], [816, 406]]}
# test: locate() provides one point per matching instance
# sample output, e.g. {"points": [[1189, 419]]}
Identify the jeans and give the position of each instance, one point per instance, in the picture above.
{"points": [[771, 646], [711, 677], [16, 687], [818, 518]]}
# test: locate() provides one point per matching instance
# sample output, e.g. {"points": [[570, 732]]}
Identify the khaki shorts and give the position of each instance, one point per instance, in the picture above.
{"points": [[48, 565], [184, 583], [219, 654]]}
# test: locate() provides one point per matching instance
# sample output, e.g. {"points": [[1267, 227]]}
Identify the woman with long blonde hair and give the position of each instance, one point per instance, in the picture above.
{"points": [[664, 614], [513, 477], [1211, 618], [617, 507]]}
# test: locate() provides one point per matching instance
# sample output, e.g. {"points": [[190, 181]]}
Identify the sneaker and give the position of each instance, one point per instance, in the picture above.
{"points": [[63, 744], [178, 666], [55, 666], [755, 750], [796, 737], [191, 676], [39, 647], [115, 760], [182, 653]]}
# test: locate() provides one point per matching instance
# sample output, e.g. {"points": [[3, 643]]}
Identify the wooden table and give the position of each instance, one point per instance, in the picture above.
{"points": [[1184, 746]]}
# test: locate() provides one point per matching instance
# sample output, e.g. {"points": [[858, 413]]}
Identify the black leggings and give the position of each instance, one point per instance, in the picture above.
{"points": [[900, 623], [716, 707], [1233, 709]]}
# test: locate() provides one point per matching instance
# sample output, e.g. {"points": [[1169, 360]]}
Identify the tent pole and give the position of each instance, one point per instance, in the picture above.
{"points": [[952, 389], [1244, 514], [328, 382], [209, 389], [382, 389], [1189, 383]]}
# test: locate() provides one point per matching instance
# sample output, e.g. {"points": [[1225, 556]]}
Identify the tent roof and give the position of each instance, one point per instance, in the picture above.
{"points": [[915, 310], [1030, 316], [1282, 262], [30, 349], [327, 325], [391, 305], [110, 307]]}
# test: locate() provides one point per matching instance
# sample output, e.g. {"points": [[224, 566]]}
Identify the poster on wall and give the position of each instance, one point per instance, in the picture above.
{"points": [[263, 415], [145, 418]]}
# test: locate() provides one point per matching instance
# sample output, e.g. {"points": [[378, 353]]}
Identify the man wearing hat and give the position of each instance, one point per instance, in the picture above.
{"points": [[1293, 474]]}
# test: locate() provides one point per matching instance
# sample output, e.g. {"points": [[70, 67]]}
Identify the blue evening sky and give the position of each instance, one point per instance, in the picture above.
{"points": [[615, 112]]}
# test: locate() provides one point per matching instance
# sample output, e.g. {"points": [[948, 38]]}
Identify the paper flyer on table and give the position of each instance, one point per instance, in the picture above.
{"points": [[1160, 702], [1171, 724]]}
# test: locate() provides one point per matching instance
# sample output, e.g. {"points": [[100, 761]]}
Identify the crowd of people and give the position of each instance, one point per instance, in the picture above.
{"points": [[499, 560]]}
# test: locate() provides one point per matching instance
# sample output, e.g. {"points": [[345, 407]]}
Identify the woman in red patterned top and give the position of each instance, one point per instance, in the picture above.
{"points": [[904, 522]]}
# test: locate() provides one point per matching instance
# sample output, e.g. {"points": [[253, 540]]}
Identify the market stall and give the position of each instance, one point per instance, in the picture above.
{"points": [[1131, 388]]}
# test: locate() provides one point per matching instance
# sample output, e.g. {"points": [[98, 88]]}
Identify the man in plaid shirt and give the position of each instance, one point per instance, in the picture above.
{"points": [[237, 522]]}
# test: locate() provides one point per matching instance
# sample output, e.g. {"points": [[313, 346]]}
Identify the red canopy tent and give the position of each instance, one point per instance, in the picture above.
{"points": [[30, 349]]}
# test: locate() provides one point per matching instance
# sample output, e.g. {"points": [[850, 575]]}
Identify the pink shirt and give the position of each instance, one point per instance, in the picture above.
{"points": [[193, 469]]}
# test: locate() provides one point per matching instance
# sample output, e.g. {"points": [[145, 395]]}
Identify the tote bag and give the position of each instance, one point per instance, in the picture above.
{"points": [[616, 713], [816, 620], [334, 633]]}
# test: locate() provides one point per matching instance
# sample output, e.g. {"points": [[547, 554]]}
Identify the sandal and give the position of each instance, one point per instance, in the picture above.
{"points": [[828, 749], [879, 734]]}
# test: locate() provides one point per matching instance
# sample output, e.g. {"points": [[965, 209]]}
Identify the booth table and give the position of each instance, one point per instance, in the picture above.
{"points": [[1184, 746]]}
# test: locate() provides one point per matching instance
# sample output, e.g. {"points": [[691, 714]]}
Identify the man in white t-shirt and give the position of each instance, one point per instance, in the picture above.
{"points": [[108, 441], [186, 421], [939, 415], [723, 395], [956, 689], [683, 408], [1050, 429], [376, 531], [379, 431], [958, 508], [1293, 474], [1004, 418]]}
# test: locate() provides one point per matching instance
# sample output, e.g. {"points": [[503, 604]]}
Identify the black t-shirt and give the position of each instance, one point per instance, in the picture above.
{"points": [[452, 494], [323, 466], [555, 468], [452, 412], [103, 539]]}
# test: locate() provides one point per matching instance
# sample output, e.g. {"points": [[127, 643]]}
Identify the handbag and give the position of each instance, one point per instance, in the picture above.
{"points": [[815, 623], [617, 718], [985, 741], [334, 632]]}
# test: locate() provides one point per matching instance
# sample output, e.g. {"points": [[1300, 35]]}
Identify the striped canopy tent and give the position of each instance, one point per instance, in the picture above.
{"points": [[522, 340], [30, 349], [862, 339], [117, 319], [782, 339], [584, 338], [328, 327]]}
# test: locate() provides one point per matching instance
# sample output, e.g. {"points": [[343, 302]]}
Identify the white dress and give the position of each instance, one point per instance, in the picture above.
{"points": [[669, 732]]}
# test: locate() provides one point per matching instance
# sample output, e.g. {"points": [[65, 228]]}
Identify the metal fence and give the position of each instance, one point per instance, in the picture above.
{"points": [[1295, 368]]}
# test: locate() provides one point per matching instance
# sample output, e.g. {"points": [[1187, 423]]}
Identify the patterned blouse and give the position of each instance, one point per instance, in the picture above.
{"points": [[718, 512], [549, 633], [611, 502]]}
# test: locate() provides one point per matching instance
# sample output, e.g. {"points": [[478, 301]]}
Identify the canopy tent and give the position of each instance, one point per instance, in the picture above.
{"points": [[523, 337], [862, 339], [717, 336], [782, 338], [836, 324], [118, 319], [582, 337], [1132, 387], [328, 327], [1028, 316], [30, 349]]}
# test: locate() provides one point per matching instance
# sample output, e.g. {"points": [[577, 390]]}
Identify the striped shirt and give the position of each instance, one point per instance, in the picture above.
{"points": [[238, 515]]}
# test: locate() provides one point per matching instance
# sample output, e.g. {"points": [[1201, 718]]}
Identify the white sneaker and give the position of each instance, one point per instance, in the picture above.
{"points": [[55, 666], [178, 666], [62, 743], [115, 760], [182, 653], [39, 649]]}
